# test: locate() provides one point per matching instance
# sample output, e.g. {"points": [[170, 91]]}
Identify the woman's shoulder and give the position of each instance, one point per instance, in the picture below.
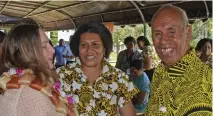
{"points": [[35, 102]]}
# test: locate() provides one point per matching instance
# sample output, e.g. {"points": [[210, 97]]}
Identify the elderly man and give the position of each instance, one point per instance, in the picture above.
{"points": [[181, 85]]}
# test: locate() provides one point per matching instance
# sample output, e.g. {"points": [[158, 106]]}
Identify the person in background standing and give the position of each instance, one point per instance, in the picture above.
{"points": [[67, 53], [60, 60], [149, 57], [126, 56]]}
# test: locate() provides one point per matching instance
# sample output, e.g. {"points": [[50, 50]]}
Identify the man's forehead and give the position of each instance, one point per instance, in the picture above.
{"points": [[168, 13], [166, 21]]}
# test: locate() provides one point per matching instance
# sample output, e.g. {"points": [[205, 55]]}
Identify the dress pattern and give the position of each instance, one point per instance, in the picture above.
{"points": [[150, 51], [183, 89], [110, 90]]}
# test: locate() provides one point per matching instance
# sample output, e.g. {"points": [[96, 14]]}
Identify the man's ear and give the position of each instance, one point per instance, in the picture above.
{"points": [[189, 33]]}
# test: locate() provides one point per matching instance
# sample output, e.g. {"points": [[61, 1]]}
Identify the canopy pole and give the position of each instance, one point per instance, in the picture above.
{"points": [[70, 18], [139, 11], [207, 10]]}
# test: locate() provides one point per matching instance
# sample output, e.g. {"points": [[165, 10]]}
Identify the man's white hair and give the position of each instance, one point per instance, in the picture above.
{"points": [[169, 6]]}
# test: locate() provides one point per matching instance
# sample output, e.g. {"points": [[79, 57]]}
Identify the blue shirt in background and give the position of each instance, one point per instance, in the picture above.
{"points": [[143, 84], [60, 60]]}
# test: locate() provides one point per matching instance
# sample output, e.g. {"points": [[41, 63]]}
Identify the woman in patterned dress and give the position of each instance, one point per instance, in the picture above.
{"points": [[95, 87], [149, 56]]}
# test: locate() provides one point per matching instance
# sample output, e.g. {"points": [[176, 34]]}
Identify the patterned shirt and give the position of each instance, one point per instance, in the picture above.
{"points": [[183, 89], [111, 90]]}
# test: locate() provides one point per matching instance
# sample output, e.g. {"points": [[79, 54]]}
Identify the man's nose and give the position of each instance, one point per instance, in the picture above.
{"points": [[164, 40]]}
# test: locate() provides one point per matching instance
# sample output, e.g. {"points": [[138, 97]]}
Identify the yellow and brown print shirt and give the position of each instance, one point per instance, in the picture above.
{"points": [[110, 91], [185, 89], [209, 61]]}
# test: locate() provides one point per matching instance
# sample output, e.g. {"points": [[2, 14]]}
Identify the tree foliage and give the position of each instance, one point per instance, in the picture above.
{"points": [[201, 30], [120, 33], [54, 37]]}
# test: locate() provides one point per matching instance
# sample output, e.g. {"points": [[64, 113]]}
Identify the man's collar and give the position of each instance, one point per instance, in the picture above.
{"points": [[178, 69]]}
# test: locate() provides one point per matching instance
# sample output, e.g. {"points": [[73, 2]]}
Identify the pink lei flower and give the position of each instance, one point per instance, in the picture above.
{"points": [[19, 71], [57, 85], [70, 100]]}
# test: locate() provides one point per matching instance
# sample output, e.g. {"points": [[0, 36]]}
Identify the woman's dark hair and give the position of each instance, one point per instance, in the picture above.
{"points": [[144, 39], [129, 39], [2, 36], [201, 43], [92, 27], [137, 64]]}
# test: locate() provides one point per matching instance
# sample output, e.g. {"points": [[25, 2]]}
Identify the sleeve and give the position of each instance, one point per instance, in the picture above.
{"points": [[145, 83], [64, 52], [69, 51], [149, 51], [34, 103], [126, 90], [207, 84]]}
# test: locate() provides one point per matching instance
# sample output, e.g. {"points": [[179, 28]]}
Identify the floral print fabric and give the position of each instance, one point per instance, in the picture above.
{"points": [[150, 51], [110, 90]]}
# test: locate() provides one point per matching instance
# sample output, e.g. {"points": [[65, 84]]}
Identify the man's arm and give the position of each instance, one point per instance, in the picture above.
{"points": [[66, 53]]}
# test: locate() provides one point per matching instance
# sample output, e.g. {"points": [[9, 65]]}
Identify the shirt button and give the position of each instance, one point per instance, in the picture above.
{"points": [[162, 109]]}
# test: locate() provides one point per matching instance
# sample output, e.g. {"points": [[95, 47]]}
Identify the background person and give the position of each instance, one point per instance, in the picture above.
{"points": [[141, 81], [67, 53], [60, 60], [149, 56], [126, 56], [206, 51]]}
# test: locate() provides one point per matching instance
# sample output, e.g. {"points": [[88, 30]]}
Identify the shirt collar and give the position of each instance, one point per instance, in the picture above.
{"points": [[77, 66], [178, 69]]}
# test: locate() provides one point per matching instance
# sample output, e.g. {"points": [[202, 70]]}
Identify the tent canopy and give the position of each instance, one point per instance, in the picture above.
{"points": [[60, 15]]}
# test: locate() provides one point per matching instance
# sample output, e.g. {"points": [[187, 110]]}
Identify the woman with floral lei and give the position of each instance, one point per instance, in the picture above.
{"points": [[28, 85], [95, 87]]}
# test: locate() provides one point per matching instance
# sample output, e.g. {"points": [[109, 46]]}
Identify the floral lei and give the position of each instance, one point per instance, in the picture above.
{"points": [[65, 87], [14, 78]]}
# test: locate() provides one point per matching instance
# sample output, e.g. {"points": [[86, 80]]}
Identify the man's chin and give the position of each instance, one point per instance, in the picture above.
{"points": [[169, 62]]}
